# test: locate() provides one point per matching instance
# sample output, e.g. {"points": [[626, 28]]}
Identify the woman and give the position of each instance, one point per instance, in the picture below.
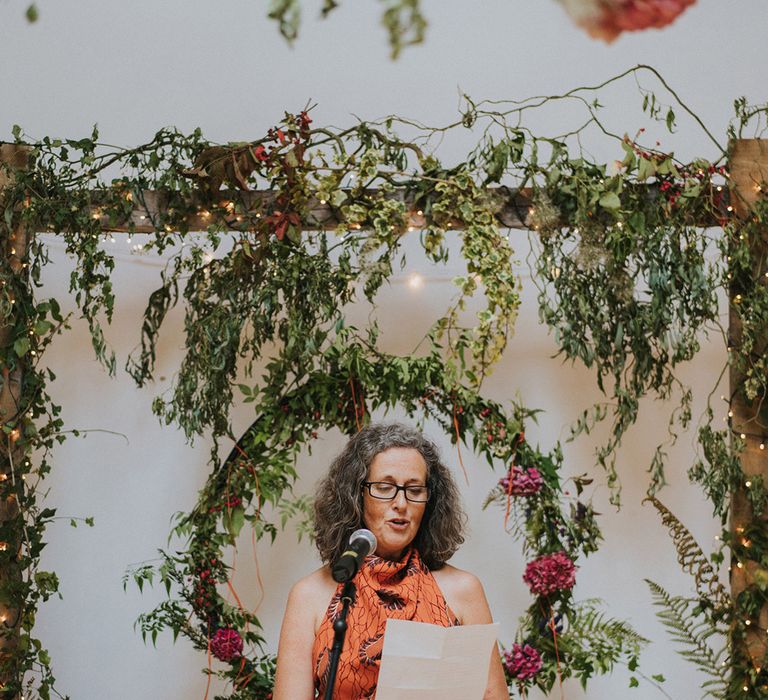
{"points": [[388, 479]]}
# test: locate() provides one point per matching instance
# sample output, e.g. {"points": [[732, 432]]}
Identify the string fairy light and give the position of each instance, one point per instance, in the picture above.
{"points": [[415, 281]]}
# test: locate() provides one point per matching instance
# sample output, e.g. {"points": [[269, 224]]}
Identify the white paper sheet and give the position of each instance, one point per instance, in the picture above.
{"points": [[428, 662]]}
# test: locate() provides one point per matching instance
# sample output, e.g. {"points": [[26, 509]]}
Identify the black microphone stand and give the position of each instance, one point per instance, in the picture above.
{"points": [[339, 632]]}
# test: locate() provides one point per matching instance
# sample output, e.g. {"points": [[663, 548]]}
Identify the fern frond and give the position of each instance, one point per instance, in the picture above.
{"points": [[597, 628], [691, 558], [676, 614]]}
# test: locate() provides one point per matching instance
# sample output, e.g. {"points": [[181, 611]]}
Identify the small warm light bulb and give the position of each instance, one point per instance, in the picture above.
{"points": [[743, 436], [762, 445], [3, 546], [729, 208], [740, 565], [3, 477], [15, 434], [420, 213], [415, 281], [322, 201], [747, 622], [748, 484], [730, 413]]}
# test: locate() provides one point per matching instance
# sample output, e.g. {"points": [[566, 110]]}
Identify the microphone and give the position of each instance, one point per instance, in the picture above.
{"points": [[361, 544]]}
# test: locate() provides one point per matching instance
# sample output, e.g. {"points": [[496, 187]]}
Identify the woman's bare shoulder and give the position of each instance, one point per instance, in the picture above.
{"points": [[462, 583], [464, 594], [318, 584]]}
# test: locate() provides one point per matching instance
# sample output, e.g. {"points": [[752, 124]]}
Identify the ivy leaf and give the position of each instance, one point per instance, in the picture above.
{"points": [[32, 13], [42, 327], [658, 677], [235, 521], [610, 200], [633, 682], [21, 346]]}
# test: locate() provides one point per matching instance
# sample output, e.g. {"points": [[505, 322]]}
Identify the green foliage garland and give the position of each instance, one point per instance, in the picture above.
{"points": [[627, 288]]}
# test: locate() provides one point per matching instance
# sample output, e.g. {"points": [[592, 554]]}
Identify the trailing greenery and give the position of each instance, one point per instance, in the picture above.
{"points": [[31, 427], [312, 221]]}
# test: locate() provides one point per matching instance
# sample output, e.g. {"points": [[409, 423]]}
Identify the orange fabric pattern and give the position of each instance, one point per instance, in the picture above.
{"points": [[404, 590]]}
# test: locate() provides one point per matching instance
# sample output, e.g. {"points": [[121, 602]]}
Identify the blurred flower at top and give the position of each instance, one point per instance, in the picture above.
{"points": [[606, 19]]}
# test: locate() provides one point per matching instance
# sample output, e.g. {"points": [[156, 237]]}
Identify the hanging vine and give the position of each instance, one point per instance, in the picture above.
{"points": [[311, 221]]}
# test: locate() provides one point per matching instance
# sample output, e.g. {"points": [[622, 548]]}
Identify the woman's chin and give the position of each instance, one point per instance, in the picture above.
{"points": [[394, 548]]}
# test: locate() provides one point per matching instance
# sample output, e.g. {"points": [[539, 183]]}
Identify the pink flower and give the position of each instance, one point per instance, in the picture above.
{"points": [[524, 482], [522, 662], [550, 573], [606, 19], [227, 644]]}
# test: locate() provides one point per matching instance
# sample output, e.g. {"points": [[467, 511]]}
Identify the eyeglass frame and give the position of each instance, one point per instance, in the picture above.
{"points": [[404, 488]]}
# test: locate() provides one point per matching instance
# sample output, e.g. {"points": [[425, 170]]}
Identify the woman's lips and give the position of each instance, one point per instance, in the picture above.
{"points": [[398, 524]]}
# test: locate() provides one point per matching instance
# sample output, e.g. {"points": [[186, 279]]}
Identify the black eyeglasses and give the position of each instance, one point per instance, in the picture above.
{"points": [[386, 491]]}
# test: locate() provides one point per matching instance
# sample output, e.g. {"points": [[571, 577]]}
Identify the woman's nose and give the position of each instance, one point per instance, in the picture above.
{"points": [[400, 501]]}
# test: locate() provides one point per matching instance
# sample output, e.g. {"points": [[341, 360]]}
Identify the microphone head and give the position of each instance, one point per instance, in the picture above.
{"points": [[368, 536]]}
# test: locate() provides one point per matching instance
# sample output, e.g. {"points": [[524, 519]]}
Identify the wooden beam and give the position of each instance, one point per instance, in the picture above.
{"points": [[749, 170], [13, 246], [236, 208]]}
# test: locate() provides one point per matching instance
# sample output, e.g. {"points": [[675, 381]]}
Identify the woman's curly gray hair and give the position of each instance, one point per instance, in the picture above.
{"points": [[339, 498]]}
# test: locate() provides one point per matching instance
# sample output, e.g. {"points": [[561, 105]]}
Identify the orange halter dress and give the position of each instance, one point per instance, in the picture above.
{"points": [[404, 590]]}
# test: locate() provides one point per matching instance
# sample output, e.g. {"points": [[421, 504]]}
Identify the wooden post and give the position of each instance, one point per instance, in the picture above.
{"points": [[748, 171], [14, 242]]}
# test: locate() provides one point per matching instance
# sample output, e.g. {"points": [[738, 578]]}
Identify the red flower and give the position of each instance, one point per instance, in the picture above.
{"points": [[606, 19], [550, 573], [523, 662], [522, 482], [260, 153], [227, 644]]}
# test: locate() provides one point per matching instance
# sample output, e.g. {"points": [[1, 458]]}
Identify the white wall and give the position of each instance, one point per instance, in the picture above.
{"points": [[134, 67]]}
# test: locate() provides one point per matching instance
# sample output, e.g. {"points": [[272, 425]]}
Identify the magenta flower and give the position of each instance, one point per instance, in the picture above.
{"points": [[606, 19], [525, 482], [227, 644], [522, 662], [550, 573]]}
